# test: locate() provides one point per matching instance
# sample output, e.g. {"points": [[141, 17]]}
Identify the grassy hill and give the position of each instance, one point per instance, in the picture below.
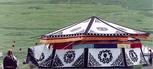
{"points": [[26, 20]]}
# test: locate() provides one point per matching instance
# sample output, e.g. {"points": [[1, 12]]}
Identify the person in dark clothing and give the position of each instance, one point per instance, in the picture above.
{"points": [[150, 56], [10, 61]]}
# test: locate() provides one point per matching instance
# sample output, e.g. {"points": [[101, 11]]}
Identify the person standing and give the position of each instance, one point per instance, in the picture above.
{"points": [[10, 61], [150, 56]]}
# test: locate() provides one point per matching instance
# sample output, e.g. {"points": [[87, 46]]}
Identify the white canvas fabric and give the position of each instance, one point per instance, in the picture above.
{"points": [[94, 25], [78, 28], [72, 29], [104, 57], [97, 26], [97, 57], [42, 52], [134, 54], [125, 29], [145, 49], [63, 56], [102, 28]]}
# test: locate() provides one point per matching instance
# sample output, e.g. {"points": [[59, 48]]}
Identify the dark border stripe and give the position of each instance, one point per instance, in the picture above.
{"points": [[90, 24], [114, 67], [144, 57], [86, 57], [124, 57], [53, 55]]}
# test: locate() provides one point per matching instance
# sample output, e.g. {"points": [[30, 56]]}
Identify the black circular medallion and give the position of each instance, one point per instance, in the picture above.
{"points": [[69, 56], [105, 56]]}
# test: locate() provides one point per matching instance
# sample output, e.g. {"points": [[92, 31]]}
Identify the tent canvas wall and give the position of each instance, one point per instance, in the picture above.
{"points": [[43, 57]]}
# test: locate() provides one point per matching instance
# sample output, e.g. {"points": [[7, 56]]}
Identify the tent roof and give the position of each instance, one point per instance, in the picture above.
{"points": [[94, 26]]}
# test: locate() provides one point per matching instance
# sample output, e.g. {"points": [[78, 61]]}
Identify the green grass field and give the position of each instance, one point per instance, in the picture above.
{"points": [[26, 20]]}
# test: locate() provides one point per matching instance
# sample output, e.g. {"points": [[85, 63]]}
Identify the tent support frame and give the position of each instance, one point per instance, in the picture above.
{"points": [[124, 57]]}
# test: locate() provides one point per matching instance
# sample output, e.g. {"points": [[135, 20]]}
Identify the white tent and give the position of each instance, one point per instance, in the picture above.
{"points": [[101, 44]]}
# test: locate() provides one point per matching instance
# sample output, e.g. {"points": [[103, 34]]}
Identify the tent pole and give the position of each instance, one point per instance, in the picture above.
{"points": [[85, 57], [124, 57], [143, 57], [53, 55]]}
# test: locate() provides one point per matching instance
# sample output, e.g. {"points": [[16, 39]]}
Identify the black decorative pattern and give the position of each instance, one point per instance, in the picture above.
{"points": [[92, 61], [128, 61], [133, 56], [79, 62], [69, 56], [102, 29], [47, 62], [119, 61], [105, 56], [57, 62]]}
